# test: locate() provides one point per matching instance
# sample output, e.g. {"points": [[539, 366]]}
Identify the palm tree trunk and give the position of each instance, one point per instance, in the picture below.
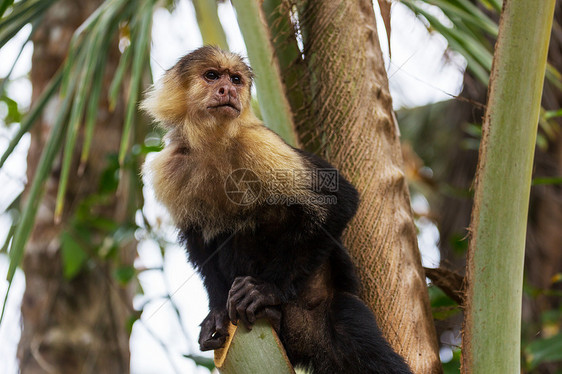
{"points": [[73, 325], [351, 123]]}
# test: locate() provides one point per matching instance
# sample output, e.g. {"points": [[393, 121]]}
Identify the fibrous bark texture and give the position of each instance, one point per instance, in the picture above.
{"points": [[77, 325], [350, 121]]}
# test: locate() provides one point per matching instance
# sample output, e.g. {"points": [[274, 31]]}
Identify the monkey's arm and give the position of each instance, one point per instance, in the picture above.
{"points": [[307, 241], [293, 258], [214, 328], [332, 184]]}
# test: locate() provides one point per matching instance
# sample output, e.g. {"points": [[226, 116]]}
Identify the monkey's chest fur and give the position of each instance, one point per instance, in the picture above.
{"points": [[228, 187]]}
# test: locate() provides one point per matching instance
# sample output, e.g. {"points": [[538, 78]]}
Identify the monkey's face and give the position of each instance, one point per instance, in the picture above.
{"points": [[225, 89], [218, 84], [207, 87]]}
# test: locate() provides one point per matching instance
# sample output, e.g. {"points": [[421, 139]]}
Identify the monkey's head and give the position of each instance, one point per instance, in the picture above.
{"points": [[206, 87]]}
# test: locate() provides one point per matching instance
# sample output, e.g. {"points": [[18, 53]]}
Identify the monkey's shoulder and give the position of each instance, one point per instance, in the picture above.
{"points": [[233, 185]]}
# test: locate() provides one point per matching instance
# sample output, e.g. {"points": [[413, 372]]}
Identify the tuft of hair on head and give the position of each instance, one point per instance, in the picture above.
{"points": [[167, 100], [212, 56]]}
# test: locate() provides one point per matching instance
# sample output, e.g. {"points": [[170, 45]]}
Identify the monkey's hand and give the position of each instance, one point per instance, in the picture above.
{"points": [[250, 299], [214, 330]]}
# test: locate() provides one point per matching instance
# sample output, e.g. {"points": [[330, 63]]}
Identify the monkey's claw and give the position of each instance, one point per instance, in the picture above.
{"points": [[214, 330], [250, 299]]}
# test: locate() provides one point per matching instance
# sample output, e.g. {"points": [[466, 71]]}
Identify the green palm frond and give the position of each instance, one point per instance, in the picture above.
{"points": [[32, 116], [4, 4], [20, 52], [22, 13], [48, 155], [472, 33], [469, 35], [78, 86]]}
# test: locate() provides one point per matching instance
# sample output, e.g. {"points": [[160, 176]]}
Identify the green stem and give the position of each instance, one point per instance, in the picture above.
{"points": [[491, 339], [253, 351], [287, 53], [274, 106], [209, 23]]}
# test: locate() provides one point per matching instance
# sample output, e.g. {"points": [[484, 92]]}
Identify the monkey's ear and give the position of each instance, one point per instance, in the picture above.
{"points": [[166, 101]]}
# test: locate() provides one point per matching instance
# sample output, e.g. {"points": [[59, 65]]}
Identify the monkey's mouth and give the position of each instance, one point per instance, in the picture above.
{"points": [[226, 106]]}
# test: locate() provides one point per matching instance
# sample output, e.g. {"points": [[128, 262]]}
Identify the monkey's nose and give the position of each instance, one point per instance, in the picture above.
{"points": [[227, 90]]}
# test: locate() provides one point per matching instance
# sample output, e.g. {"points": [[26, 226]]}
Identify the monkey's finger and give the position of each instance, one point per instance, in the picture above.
{"points": [[207, 331], [204, 337], [213, 343], [243, 292], [237, 292], [222, 325], [234, 296], [242, 282], [242, 311], [234, 300], [256, 301], [273, 315], [238, 282], [251, 311], [231, 308]]}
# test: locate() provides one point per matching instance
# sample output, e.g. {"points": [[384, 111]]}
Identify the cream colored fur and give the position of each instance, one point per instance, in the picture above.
{"points": [[189, 174]]}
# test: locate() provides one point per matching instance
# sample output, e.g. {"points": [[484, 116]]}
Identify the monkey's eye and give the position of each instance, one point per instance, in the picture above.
{"points": [[212, 75], [236, 79]]}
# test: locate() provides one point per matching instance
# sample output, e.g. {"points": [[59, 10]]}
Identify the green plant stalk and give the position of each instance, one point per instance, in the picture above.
{"points": [[76, 42], [29, 120], [478, 58], [468, 13], [83, 79], [23, 12], [122, 69], [253, 351], [496, 4], [91, 114], [6, 78], [50, 151], [491, 338], [554, 76], [274, 105], [96, 41], [209, 23], [141, 53], [19, 10], [287, 52], [5, 4]]}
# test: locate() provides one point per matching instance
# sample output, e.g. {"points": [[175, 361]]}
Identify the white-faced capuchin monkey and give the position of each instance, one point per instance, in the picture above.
{"points": [[261, 221]]}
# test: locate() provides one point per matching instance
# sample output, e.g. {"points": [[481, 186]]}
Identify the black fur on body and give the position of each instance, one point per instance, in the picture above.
{"points": [[280, 261]]}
